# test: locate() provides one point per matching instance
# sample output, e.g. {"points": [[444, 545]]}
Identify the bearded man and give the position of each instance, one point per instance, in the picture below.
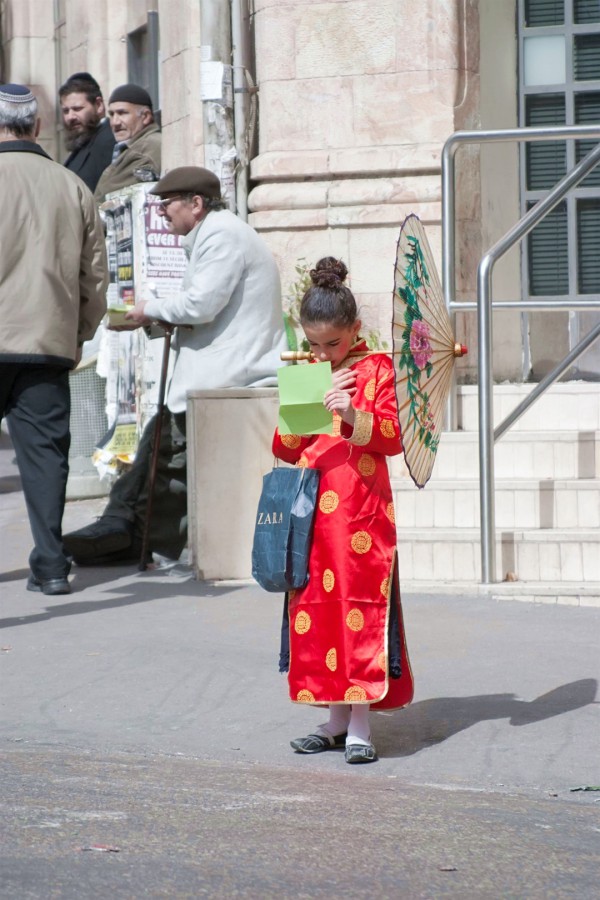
{"points": [[88, 135]]}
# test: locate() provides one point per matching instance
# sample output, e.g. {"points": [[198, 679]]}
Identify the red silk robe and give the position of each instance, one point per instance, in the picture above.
{"points": [[338, 623]]}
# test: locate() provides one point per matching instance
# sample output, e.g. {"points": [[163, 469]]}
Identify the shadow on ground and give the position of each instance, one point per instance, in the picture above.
{"points": [[429, 722], [141, 591]]}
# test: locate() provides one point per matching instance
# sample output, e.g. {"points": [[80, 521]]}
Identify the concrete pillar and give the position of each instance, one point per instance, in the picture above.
{"points": [[229, 435]]}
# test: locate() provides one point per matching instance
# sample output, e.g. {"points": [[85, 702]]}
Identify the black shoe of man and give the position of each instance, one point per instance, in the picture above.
{"points": [[108, 535], [49, 586]]}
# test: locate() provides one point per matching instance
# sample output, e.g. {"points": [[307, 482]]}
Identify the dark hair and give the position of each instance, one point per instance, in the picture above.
{"points": [[210, 204], [329, 300], [81, 83]]}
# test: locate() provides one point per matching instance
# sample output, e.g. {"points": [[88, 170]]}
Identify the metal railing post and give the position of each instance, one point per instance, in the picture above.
{"points": [[487, 512], [484, 295], [448, 259]]}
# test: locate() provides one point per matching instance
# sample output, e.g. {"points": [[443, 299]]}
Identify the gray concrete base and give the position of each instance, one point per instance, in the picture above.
{"points": [[229, 450]]}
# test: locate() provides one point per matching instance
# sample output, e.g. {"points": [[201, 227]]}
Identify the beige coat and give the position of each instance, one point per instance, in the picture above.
{"points": [[53, 273], [142, 153]]}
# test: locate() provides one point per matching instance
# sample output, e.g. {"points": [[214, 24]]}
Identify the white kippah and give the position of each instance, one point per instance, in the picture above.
{"points": [[15, 93]]}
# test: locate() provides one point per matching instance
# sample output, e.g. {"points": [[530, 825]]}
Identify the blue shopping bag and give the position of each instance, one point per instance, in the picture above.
{"points": [[283, 530]]}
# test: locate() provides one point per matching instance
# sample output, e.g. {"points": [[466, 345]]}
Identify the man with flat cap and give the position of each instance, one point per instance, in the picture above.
{"points": [[88, 135], [137, 150], [230, 334], [53, 280]]}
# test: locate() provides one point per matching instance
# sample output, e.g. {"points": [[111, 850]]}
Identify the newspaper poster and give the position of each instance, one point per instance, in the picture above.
{"points": [[146, 260]]}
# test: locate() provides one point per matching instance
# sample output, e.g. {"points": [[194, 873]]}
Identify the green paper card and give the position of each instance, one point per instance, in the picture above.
{"points": [[301, 393]]}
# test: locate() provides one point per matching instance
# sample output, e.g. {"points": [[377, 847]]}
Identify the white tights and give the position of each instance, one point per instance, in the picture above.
{"points": [[353, 718]]}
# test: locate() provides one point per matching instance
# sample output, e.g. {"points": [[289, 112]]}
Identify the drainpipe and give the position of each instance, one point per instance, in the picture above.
{"points": [[240, 40], [216, 92]]}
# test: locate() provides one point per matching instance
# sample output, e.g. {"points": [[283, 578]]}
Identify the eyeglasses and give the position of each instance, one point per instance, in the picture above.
{"points": [[164, 204]]}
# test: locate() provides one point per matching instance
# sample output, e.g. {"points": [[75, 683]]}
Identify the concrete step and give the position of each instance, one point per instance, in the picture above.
{"points": [[518, 454], [563, 593], [546, 555], [572, 405], [526, 503]]}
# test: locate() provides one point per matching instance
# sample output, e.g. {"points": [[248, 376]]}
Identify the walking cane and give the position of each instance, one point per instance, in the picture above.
{"points": [[168, 329]]}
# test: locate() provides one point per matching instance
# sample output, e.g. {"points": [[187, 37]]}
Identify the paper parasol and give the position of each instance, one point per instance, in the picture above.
{"points": [[424, 350]]}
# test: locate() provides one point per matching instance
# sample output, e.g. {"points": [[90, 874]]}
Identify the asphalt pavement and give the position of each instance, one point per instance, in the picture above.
{"points": [[145, 732]]}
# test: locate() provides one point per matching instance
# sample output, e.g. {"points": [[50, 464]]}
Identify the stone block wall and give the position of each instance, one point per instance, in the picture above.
{"points": [[356, 100]]}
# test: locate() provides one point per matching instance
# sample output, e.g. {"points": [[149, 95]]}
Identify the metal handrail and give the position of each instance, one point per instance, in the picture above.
{"points": [[458, 139], [485, 305], [546, 382]]}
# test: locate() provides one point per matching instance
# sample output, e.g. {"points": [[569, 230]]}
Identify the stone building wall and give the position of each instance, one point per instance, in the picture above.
{"points": [[355, 101]]}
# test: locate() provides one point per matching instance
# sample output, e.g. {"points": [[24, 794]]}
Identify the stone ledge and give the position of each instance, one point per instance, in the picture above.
{"points": [[344, 217], [407, 159], [361, 191]]}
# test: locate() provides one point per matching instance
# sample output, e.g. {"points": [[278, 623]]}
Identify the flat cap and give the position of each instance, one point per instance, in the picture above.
{"points": [[16, 93], [131, 93], [189, 180]]}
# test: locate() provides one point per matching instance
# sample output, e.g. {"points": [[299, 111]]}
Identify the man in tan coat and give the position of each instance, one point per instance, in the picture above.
{"points": [[53, 279], [137, 151]]}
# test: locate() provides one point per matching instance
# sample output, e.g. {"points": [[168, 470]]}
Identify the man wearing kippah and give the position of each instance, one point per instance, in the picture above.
{"points": [[53, 280], [88, 135], [137, 150], [230, 334]]}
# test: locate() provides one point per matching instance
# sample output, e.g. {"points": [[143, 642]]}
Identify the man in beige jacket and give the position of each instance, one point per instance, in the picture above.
{"points": [[53, 279]]}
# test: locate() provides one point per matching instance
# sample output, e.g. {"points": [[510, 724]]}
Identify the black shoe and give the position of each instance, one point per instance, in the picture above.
{"points": [[317, 743], [130, 554], [51, 586], [108, 535], [360, 753]]}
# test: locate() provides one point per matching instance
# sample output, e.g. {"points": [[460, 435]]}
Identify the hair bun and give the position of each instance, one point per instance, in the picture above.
{"points": [[328, 273]]}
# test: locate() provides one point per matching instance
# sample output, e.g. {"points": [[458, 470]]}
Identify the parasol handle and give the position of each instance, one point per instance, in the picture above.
{"points": [[291, 355], [460, 350]]}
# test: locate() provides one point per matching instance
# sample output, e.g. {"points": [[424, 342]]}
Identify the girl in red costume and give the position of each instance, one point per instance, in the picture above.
{"points": [[343, 641]]}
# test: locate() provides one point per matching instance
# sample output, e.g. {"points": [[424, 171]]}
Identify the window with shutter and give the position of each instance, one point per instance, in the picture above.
{"points": [[562, 254], [588, 245]]}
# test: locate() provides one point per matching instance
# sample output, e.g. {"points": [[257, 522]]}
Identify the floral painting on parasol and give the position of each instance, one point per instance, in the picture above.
{"points": [[424, 350]]}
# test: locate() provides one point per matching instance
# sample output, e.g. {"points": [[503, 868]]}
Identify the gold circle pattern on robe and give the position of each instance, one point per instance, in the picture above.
{"points": [[391, 513], [305, 697], [370, 389], [387, 428], [354, 694], [355, 620], [361, 542], [329, 502], [385, 587], [331, 659], [302, 623], [381, 661], [291, 440], [328, 580], [366, 464]]}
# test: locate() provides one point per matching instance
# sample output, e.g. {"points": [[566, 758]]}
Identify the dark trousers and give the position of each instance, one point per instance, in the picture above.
{"points": [[37, 404], [129, 494]]}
